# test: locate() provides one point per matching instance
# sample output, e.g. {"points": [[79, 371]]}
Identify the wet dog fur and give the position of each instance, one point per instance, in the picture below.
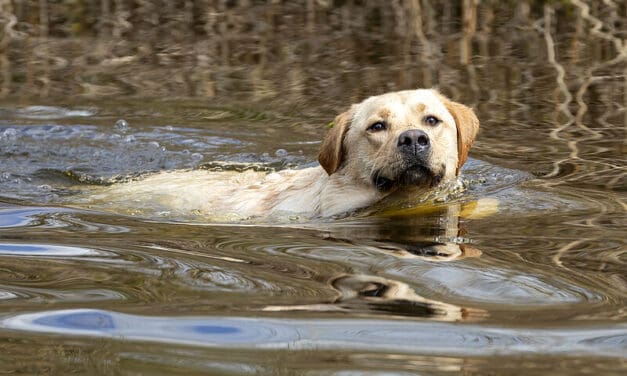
{"points": [[405, 141]]}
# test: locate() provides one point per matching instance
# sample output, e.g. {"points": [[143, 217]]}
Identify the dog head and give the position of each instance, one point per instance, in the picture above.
{"points": [[413, 138]]}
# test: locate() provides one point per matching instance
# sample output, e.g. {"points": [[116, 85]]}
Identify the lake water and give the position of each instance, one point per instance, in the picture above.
{"points": [[524, 272]]}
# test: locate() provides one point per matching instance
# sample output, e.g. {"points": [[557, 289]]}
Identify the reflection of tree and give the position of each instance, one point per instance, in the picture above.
{"points": [[7, 33]]}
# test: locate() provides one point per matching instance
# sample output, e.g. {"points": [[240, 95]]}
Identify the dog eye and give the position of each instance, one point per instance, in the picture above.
{"points": [[431, 120], [377, 127]]}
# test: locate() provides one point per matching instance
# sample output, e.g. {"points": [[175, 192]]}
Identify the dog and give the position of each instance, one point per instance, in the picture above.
{"points": [[399, 142]]}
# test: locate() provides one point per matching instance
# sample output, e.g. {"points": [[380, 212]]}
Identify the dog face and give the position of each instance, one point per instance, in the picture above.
{"points": [[413, 138]]}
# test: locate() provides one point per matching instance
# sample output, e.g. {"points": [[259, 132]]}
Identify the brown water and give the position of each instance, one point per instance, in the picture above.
{"points": [[537, 287]]}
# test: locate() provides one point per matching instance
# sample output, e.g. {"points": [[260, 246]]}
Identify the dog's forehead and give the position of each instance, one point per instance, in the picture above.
{"points": [[404, 102]]}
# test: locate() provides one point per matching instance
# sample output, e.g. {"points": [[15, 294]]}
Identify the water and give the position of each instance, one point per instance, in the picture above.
{"points": [[522, 272]]}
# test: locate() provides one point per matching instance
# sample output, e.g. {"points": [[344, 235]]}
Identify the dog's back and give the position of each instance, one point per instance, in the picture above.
{"points": [[215, 195]]}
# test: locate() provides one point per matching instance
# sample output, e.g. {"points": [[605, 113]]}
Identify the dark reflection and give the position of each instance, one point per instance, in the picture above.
{"points": [[370, 294], [442, 250], [433, 232], [403, 235]]}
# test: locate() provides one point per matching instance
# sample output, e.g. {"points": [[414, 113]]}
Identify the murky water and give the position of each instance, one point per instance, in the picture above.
{"points": [[524, 272]]}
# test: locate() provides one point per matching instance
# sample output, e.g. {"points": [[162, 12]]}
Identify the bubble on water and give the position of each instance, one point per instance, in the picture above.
{"points": [[169, 128], [121, 125], [5, 176], [185, 152], [281, 153], [45, 187], [154, 144], [197, 157], [130, 138]]}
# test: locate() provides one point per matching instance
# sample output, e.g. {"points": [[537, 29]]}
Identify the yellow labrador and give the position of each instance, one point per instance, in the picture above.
{"points": [[396, 142]]}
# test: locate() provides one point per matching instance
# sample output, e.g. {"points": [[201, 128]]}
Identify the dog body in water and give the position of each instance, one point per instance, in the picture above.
{"points": [[406, 141]]}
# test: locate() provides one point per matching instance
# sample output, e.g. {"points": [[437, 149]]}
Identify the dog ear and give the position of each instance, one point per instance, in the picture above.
{"points": [[332, 149], [467, 127]]}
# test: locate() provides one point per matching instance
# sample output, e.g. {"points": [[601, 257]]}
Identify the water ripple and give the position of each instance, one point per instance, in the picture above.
{"points": [[20, 217], [39, 295], [331, 334], [505, 286], [47, 250], [51, 112], [239, 266], [5, 295]]}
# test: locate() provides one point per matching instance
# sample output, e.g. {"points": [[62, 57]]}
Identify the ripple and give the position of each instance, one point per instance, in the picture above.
{"points": [[241, 266], [86, 224], [51, 112], [5, 295], [56, 218], [39, 295], [47, 250], [224, 280], [332, 334], [20, 217], [505, 286]]}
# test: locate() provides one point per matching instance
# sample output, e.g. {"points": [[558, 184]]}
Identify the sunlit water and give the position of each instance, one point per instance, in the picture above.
{"points": [[520, 272]]}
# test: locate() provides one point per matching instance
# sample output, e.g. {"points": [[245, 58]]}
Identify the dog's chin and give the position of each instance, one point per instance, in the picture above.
{"points": [[415, 176]]}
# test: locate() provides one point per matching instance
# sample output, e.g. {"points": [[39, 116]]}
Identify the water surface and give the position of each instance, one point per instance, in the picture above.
{"points": [[521, 273]]}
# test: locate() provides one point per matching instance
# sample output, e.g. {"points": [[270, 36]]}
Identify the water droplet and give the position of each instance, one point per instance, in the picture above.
{"points": [[121, 125], [281, 153]]}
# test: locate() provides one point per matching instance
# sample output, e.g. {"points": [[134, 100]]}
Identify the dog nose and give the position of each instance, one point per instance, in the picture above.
{"points": [[413, 140]]}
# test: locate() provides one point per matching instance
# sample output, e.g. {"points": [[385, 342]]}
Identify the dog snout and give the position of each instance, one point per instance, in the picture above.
{"points": [[413, 141]]}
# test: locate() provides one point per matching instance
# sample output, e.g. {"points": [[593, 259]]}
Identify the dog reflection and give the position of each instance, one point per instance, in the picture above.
{"points": [[373, 293], [430, 250], [425, 233], [403, 234], [367, 294], [429, 232]]}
